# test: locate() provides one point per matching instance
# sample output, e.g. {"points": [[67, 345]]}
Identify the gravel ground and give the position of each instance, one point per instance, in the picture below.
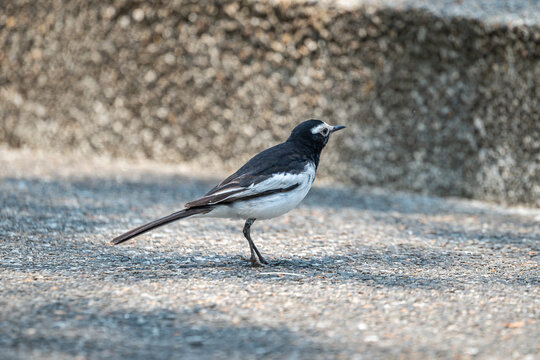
{"points": [[355, 273]]}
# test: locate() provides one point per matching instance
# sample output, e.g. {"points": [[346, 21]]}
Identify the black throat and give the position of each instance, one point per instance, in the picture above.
{"points": [[312, 150]]}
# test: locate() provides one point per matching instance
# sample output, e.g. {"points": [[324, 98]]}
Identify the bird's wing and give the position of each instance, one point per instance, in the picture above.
{"points": [[274, 170]]}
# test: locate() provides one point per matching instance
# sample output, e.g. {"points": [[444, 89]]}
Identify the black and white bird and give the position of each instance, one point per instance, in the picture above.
{"points": [[271, 184]]}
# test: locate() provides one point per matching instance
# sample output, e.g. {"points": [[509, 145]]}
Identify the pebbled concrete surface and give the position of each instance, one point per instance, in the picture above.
{"points": [[355, 274], [439, 97], [496, 12]]}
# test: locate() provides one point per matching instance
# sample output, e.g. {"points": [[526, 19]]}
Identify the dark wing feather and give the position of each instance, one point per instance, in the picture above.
{"points": [[278, 159], [212, 199]]}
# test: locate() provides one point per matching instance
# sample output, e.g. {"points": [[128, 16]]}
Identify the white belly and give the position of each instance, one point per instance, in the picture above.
{"points": [[271, 206]]}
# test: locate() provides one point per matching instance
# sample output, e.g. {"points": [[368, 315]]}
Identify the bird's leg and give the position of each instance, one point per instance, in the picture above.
{"points": [[252, 247], [248, 237]]}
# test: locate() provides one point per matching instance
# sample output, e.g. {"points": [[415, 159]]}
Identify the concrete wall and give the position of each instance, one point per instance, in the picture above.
{"points": [[439, 104]]}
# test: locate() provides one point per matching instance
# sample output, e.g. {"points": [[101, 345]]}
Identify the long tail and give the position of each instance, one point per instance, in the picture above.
{"points": [[160, 222]]}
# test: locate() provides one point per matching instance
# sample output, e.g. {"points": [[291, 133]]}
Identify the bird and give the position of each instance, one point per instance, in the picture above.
{"points": [[269, 185]]}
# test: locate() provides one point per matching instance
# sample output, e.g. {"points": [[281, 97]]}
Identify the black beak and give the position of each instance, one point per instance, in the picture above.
{"points": [[338, 127]]}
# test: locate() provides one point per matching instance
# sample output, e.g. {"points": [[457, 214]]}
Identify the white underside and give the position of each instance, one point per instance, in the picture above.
{"points": [[271, 206]]}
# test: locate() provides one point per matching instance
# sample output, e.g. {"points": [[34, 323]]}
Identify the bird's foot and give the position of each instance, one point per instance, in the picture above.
{"points": [[255, 263], [262, 260]]}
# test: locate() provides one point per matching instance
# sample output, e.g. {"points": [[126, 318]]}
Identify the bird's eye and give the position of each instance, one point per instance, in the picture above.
{"points": [[324, 131]]}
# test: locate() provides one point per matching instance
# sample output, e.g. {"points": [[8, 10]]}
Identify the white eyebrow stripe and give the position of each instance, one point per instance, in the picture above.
{"points": [[318, 128]]}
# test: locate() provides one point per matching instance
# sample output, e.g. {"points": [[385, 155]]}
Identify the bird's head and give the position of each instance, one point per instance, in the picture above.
{"points": [[314, 133]]}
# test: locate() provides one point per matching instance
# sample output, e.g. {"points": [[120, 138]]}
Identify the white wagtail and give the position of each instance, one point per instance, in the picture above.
{"points": [[271, 184]]}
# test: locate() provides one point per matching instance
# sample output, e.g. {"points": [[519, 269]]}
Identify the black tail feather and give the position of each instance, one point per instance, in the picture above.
{"points": [[160, 222]]}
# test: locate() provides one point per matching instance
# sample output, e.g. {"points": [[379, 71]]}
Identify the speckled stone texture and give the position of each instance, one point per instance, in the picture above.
{"points": [[439, 98]]}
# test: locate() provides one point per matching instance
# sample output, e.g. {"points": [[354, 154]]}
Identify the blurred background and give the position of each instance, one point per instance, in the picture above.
{"points": [[439, 97]]}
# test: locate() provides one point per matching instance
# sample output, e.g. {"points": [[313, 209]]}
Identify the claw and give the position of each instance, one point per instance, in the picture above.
{"points": [[255, 263]]}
